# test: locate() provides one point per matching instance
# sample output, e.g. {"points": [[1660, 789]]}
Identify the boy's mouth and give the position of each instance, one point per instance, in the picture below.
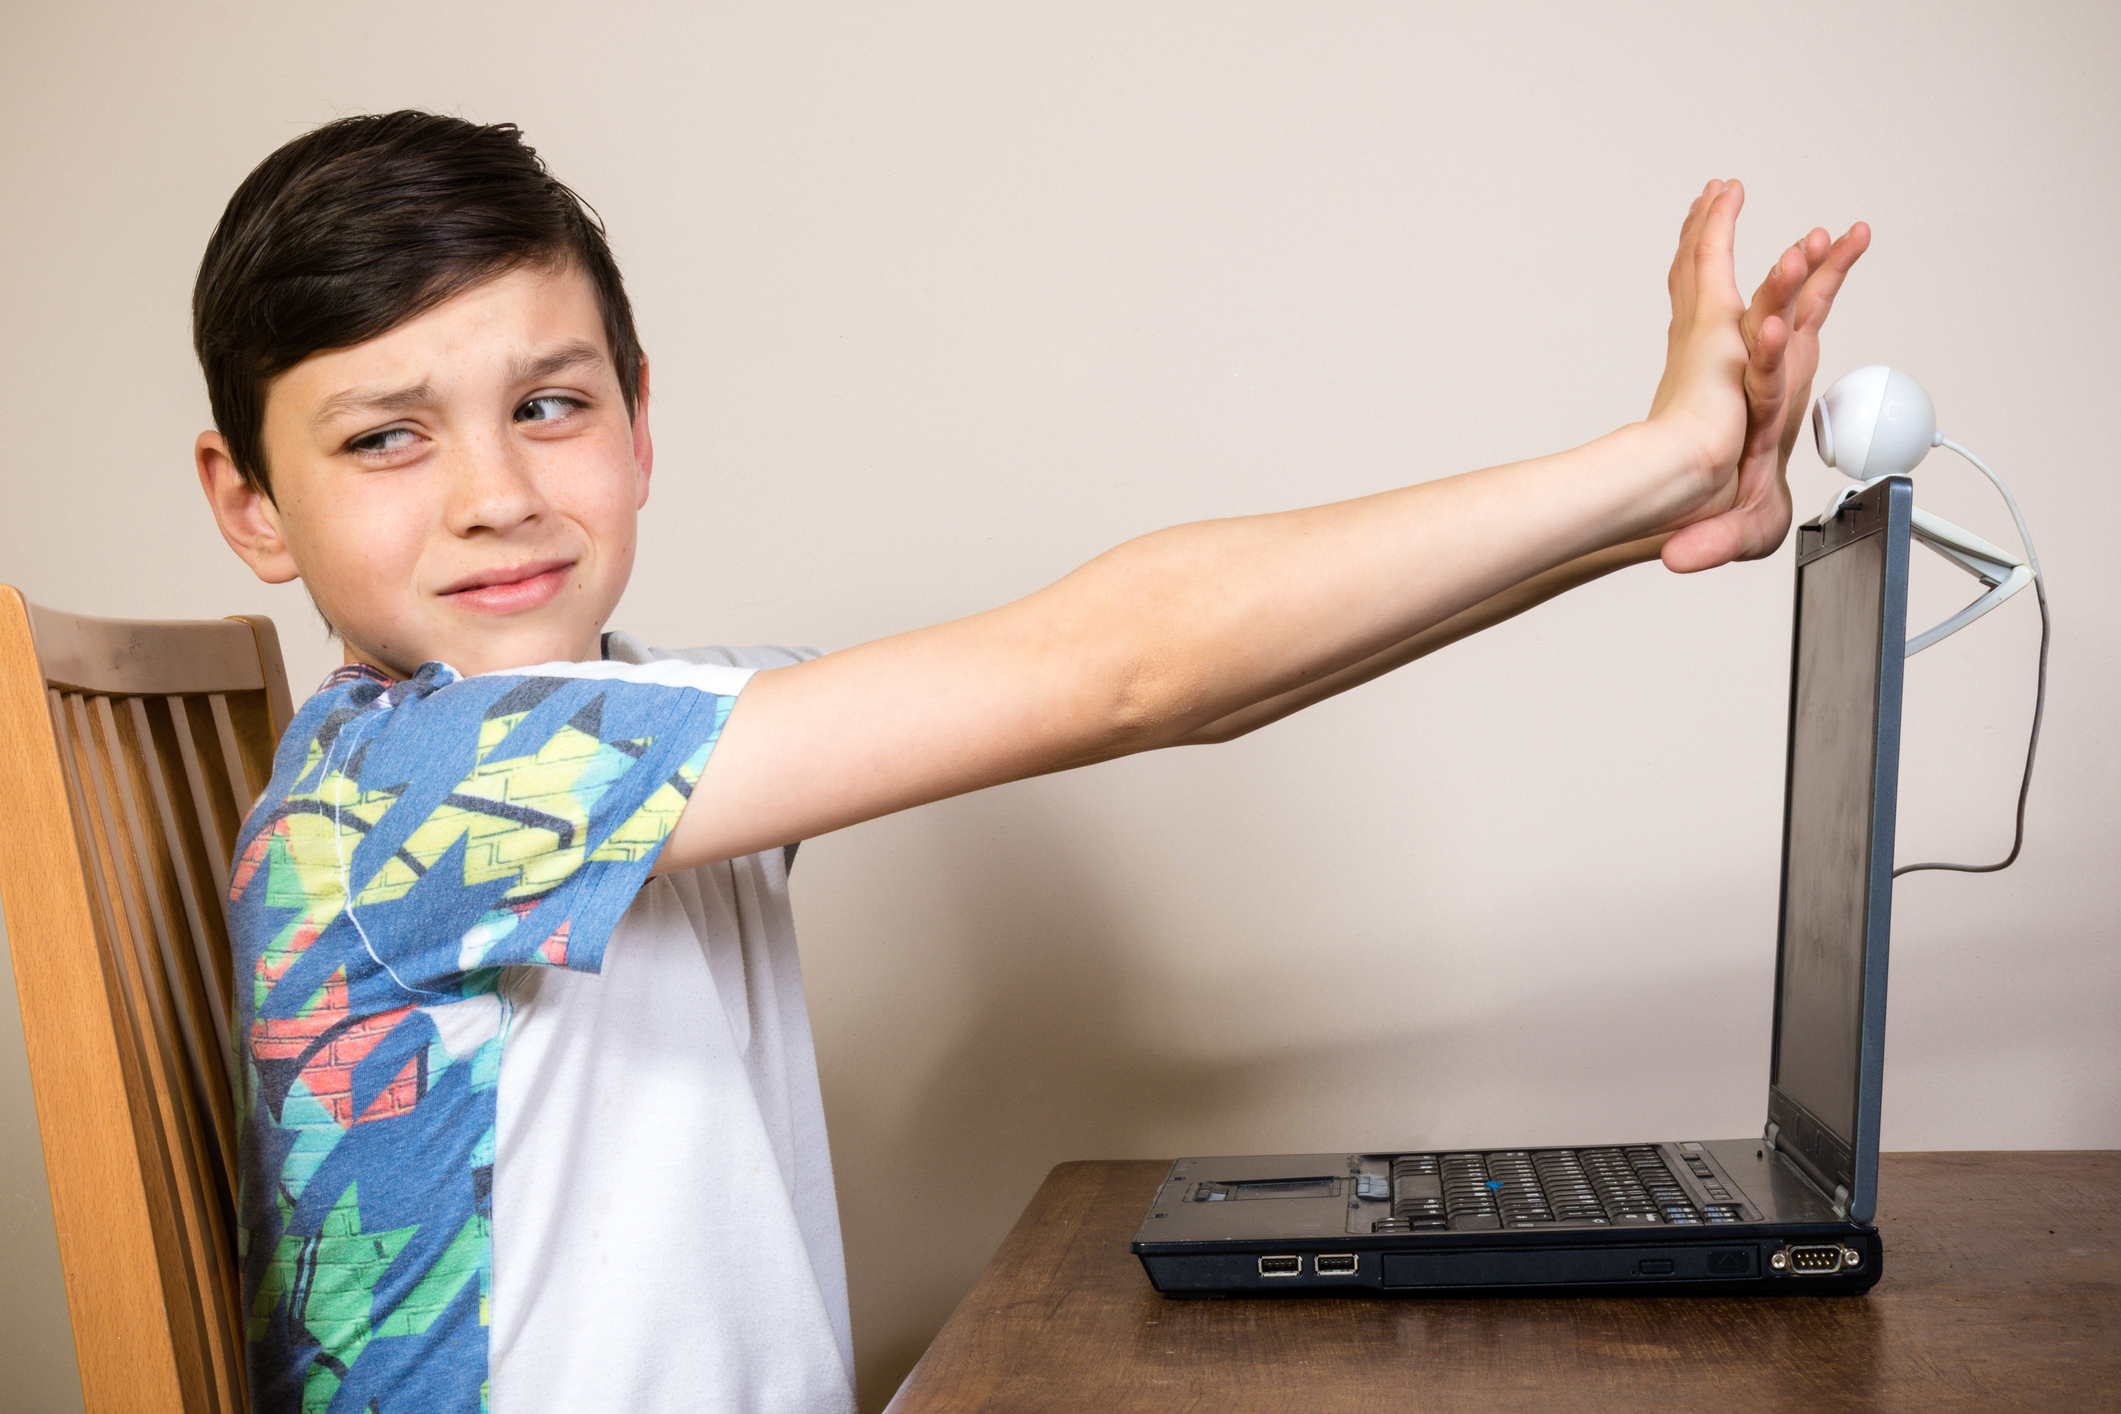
{"points": [[517, 587]]}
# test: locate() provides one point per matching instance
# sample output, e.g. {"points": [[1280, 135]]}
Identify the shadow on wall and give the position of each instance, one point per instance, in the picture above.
{"points": [[1061, 1059]]}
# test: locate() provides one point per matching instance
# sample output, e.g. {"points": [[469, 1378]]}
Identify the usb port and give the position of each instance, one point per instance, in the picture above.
{"points": [[1281, 1266], [1338, 1264]]}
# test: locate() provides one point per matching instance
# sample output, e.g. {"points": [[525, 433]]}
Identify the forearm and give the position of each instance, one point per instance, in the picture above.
{"points": [[1484, 615]]}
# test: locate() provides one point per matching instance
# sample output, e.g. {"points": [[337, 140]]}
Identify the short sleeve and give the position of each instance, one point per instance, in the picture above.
{"points": [[419, 835]]}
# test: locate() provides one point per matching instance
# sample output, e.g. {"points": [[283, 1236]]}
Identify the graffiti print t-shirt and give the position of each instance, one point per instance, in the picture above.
{"points": [[417, 838]]}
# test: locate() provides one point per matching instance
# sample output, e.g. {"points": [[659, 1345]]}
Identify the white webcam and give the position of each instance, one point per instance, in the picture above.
{"points": [[1874, 422], [1878, 422]]}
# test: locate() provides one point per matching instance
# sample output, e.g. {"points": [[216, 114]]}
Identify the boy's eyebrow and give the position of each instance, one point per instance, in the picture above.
{"points": [[575, 353], [372, 399]]}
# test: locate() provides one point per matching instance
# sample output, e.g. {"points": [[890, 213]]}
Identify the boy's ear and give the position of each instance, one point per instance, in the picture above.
{"points": [[643, 444], [249, 521]]}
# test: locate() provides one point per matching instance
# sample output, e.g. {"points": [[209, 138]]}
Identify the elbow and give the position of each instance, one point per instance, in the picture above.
{"points": [[1139, 716], [1149, 666], [1162, 700]]}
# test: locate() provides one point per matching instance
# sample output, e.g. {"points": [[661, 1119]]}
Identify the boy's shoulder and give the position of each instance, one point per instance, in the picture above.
{"points": [[623, 647], [438, 697], [441, 699]]}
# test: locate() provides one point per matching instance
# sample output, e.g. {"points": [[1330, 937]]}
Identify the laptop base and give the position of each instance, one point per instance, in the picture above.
{"points": [[1723, 1217]]}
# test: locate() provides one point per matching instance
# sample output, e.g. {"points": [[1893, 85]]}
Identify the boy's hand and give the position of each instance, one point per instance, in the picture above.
{"points": [[1738, 378]]}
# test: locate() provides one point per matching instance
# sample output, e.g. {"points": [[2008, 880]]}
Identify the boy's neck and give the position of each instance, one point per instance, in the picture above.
{"points": [[351, 655]]}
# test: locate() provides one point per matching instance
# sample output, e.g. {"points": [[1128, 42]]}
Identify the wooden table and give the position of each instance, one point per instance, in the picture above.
{"points": [[2002, 1291]]}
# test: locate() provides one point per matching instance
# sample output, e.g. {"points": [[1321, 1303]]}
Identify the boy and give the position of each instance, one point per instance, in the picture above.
{"points": [[525, 1055]]}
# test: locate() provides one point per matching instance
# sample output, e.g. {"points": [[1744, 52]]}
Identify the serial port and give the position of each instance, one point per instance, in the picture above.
{"points": [[1820, 1259]]}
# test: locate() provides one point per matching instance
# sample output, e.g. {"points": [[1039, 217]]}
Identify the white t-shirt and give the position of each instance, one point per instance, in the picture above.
{"points": [[666, 1235]]}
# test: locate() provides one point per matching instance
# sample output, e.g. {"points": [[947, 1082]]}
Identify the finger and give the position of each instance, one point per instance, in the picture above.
{"points": [[1716, 228], [1777, 293], [1763, 369], [1817, 297], [1768, 398], [1712, 246], [1817, 246], [1690, 229], [1816, 300], [1689, 234]]}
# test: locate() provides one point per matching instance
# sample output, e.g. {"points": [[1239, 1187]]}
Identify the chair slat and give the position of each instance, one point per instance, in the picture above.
{"points": [[173, 1097], [71, 771], [201, 1124], [115, 906], [202, 741], [279, 705], [188, 829], [143, 1080], [246, 793], [257, 739], [189, 1042], [197, 977], [194, 978], [217, 815]]}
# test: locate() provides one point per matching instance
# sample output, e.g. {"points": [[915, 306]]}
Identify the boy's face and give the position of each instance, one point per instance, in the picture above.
{"points": [[462, 488]]}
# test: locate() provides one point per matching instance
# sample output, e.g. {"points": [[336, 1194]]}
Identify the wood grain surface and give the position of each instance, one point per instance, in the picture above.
{"points": [[2002, 1291]]}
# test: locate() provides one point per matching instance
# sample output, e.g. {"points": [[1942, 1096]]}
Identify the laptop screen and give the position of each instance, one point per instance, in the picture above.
{"points": [[1833, 760], [1837, 886]]}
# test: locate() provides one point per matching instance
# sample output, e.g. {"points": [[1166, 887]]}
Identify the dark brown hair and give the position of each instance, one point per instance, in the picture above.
{"points": [[355, 227]]}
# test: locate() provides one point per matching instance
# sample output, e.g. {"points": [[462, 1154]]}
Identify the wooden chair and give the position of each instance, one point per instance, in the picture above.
{"points": [[129, 753]]}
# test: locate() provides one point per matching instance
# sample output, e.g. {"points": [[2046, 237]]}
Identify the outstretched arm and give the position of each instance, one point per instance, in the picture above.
{"points": [[1191, 632]]}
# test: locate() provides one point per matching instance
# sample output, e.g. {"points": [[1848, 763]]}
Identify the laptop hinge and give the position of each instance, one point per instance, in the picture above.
{"points": [[1838, 1199]]}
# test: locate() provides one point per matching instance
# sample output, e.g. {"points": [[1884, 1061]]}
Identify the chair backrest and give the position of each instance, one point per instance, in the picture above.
{"points": [[129, 753]]}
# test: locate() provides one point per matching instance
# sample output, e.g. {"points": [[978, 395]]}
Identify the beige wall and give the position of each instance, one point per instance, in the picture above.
{"points": [[943, 299]]}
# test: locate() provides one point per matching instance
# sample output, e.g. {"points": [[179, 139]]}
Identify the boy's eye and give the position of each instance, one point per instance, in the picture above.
{"points": [[546, 408], [389, 439]]}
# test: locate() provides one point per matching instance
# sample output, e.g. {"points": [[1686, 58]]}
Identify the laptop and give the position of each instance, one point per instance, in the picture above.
{"points": [[1789, 1210]]}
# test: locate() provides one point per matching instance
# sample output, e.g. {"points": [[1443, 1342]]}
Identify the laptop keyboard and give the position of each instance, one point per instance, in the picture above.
{"points": [[1520, 1188]]}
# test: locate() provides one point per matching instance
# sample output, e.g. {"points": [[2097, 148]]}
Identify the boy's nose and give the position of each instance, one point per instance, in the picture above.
{"points": [[493, 489]]}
